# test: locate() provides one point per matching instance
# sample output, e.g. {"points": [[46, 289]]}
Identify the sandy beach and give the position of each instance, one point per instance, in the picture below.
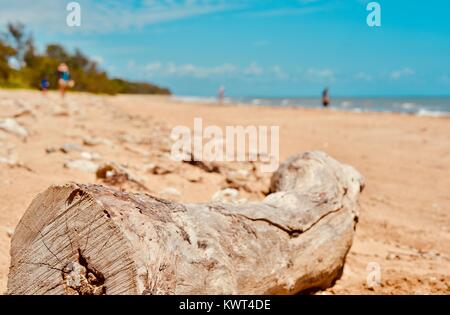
{"points": [[404, 222]]}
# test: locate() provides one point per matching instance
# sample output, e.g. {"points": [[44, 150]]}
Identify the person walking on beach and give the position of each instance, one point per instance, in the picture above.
{"points": [[221, 94], [64, 80], [325, 98], [44, 85]]}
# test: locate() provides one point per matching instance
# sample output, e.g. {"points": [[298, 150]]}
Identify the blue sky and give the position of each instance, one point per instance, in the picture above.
{"points": [[256, 47]]}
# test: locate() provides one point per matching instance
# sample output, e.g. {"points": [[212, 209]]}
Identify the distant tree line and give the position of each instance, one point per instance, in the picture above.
{"points": [[21, 66]]}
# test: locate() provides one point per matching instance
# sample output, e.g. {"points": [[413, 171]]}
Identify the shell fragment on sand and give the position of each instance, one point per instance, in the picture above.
{"points": [[81, 165], [12, 126]]}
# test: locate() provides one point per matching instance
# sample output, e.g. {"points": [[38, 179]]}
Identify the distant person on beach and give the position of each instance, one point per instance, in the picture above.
{"points": [[64, 80], [44, 85], [221, 94], [325, 98]]}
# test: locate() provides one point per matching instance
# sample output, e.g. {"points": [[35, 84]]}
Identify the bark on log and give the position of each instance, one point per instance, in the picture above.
{"points": [[90, 239]]}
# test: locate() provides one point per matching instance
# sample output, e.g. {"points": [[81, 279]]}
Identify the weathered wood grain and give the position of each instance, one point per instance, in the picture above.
{"points": [[91, 239]]}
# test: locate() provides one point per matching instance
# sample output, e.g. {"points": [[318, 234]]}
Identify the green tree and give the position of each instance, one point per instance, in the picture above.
{"points": [[17, 34], [34, 67], [6, 52], [57, 52]]}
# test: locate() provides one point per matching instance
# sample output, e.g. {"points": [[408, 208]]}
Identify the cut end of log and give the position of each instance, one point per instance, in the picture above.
{"points": [[65, 243], [93, 240]]}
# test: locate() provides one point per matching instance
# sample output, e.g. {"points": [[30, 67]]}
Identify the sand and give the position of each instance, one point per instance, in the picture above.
{"points": [[404, 223]]}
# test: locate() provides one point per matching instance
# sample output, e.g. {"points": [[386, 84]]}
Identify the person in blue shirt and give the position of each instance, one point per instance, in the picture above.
{"points": [[45, 84], [64, 80]]}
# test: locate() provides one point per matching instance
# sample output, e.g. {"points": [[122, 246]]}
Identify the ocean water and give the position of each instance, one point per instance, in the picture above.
{"points": [[422, 106]]}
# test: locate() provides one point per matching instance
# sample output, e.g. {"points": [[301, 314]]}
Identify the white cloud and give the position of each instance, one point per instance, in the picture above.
{"points": [[117, 15], [107, 16], [320, 75], [49, 16], [158, 69], [287, 11], [171, 69], [398, 74], [362, 76], [151, 67], [253, 69], [294, 8], [279, 73]]}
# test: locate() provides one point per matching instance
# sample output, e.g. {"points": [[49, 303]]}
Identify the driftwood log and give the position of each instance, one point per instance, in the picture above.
{"points": [[90, 239]]}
